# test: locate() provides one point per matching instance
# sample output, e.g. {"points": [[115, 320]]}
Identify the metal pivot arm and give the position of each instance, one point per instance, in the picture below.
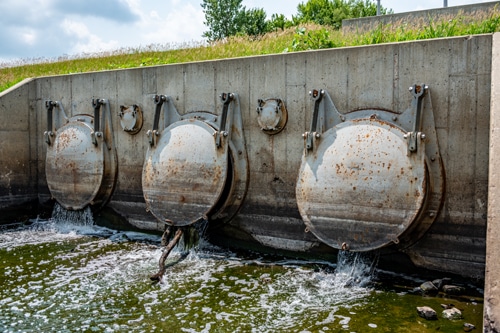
{"points": [[152, 134], [225, 123], [96, 104], [316, 96], [418, 92], [53, 120], [49, 105]]}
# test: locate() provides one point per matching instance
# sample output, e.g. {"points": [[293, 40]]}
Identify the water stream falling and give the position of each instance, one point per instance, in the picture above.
{"points": [[83, 217], [58, 277]]}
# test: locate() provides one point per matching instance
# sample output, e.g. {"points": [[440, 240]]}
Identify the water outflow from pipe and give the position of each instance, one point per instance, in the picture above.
{"points": [[190, 235], [356, 268], [194, 233], [83, 217]]}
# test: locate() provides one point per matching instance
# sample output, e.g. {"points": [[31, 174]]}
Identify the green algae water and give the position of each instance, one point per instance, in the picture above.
{"points": [[92, 279]]}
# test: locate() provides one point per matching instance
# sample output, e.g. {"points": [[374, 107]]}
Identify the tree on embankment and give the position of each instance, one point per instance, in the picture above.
{"points": [[226, 18]]}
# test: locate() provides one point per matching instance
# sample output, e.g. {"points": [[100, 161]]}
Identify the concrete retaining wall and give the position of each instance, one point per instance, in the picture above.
{"points": [[457, 70], [18, 166], [421, 18]]}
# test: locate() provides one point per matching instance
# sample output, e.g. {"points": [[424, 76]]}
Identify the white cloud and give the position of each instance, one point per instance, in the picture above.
{"points": [[75, 28], [183, 23], [154, 15], [94, 45], [29, 37], [83, 41]]}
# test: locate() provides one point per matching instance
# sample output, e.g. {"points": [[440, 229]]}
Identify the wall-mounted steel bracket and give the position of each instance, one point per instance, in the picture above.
{"points": [[225, 121], [96, 104], [413, 137], [102, 122], [154, 133], [50, 132], [325, 115]]}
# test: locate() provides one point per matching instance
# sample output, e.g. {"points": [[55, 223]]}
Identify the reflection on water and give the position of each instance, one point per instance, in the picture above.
{"points": [[60, 278]]}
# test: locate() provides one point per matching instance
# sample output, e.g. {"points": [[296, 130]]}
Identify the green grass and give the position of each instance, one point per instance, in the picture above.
{"points": [[306, 37]]}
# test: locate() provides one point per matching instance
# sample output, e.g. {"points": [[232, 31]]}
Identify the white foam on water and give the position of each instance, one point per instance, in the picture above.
{"points": [[103, 285]]}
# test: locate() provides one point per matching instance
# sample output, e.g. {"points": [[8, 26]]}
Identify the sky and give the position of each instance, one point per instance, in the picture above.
{"points": [[32, 30]]}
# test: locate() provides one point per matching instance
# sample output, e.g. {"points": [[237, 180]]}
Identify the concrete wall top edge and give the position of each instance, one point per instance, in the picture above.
{"points": [[16, 86]]}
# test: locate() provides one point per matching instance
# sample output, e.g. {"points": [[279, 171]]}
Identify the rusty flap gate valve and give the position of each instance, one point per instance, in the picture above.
{"points": [[196, 167], [370, 177], [81, 162]]}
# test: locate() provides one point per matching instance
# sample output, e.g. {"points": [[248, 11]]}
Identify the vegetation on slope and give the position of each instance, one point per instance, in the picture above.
{"points": [[299, 38]]}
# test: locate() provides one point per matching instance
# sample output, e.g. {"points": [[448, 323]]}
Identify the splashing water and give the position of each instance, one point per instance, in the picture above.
{"points": [[68, 282], [83, 217], [356, 268], [193, 234]]}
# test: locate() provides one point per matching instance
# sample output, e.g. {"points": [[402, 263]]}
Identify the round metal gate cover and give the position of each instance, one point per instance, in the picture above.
{"points": [[360, 188], [74, 166], [184, 175]]}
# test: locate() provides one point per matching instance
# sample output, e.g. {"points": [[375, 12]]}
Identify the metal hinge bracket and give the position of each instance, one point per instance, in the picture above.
{"points": [[413, 137], [154, 133], [225, 121]]}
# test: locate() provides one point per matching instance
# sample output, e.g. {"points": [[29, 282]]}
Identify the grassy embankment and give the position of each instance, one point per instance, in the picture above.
{"points": [[290, 40]]}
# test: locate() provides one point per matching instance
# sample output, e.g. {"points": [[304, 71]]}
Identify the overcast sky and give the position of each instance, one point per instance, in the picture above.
{"points": [[32, 29]]}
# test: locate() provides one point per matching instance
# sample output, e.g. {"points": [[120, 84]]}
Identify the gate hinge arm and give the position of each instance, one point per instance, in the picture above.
{"points": [[225, 122], [48, 134], [413, 137], [97, 133], [152, 134], [316, 125], [50, 105]]}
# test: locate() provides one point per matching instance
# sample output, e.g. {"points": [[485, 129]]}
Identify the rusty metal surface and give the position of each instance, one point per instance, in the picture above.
{"points": [[184, 175], [81, 160], [74, 165], [360, 187]]}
